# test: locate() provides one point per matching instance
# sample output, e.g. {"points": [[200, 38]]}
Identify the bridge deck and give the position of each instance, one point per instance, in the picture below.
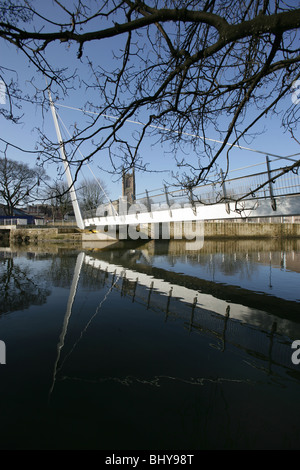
{"points": [[285, 206]]}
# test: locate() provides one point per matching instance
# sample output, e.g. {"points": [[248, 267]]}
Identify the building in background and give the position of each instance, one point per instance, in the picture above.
{"points": [[128, 186]]}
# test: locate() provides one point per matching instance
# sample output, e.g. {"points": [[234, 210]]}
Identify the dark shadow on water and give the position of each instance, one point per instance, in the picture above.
{"points": [[125, 353]]}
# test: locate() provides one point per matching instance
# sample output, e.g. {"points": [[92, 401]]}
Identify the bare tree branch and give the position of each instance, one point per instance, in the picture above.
{"points": [[188, 67]]}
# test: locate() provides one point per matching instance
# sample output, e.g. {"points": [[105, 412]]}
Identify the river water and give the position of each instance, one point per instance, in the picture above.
{"points": [[147, 346]]}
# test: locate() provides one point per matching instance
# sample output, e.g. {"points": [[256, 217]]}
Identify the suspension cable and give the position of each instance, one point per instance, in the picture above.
{"points": [[97, 179], [288, 157]]}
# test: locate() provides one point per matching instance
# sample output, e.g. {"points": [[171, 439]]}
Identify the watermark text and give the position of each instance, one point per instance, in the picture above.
{"points": [[296, 354], [2, 352], [159, 221], [296, 93], [2, 92]]}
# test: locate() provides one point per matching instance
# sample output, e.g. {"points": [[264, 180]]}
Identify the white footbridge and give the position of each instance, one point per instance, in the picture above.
{"points": [[216, 201]]}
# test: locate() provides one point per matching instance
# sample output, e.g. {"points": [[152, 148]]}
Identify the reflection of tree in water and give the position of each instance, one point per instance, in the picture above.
{"points": [[230, 264], [19, 287], [226, 263], [62, 270]]}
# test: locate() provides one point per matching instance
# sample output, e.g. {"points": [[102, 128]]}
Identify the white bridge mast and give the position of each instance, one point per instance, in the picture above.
{"points": [[76, 208]]}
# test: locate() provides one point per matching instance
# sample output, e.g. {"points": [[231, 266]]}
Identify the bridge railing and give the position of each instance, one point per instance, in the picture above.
{"points": [[231, 189]]}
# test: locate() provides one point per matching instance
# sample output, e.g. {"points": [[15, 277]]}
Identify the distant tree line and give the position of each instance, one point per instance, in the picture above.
{"points": [[21, 185]]}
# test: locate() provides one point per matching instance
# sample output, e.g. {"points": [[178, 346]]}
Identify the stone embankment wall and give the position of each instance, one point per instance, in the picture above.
{"points": [[36, 235], [210, 230], [250, 230], [226, 230]]}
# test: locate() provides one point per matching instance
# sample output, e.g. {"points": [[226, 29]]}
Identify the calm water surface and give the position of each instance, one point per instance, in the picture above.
{"points": [[150, 347]]}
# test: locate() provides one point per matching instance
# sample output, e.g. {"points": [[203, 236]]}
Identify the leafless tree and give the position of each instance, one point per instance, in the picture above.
{"points": [[182, 68], [91, 194], [58, 196], [19, 184]]}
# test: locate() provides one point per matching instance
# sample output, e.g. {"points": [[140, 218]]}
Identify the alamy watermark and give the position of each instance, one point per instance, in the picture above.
{"points": [[296, 93], [2, 92], [2, 352], [154, 221], [296, 354]]}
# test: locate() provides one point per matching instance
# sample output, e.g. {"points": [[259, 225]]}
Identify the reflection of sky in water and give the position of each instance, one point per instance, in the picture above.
{"points": [[248, 274]]}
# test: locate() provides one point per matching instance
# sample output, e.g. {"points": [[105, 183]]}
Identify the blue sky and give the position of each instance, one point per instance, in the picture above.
{"points": [[273, 140]]}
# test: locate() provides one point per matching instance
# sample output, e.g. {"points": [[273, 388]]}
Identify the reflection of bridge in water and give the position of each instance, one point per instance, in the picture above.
{"points": [[257, 334]]}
